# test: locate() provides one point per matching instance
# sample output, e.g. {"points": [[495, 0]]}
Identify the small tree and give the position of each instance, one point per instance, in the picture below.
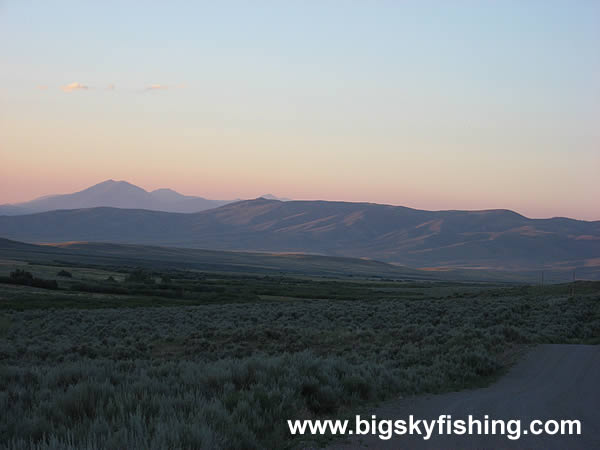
{"points": [[140, 276], [25, 278], [21, 276]]}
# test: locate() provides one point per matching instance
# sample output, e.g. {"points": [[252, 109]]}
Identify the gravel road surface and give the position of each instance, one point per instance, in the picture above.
{"points": [[549, 382]]}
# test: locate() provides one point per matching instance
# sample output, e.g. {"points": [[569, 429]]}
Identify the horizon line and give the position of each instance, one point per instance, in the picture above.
{"points": [[278, 199]]}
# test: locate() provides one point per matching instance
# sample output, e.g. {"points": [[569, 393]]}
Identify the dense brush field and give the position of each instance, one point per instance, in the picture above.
{"points": [[227, 374]]}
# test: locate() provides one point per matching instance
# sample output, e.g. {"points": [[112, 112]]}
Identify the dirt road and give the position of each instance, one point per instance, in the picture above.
{"points": [[550, 382]]}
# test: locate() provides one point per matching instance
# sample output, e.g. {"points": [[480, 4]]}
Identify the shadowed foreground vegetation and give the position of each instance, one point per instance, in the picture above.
{"points": [[225, 369]]}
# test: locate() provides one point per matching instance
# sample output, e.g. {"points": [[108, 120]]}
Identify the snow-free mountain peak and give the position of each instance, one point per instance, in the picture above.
{"points": [[117, 194]]}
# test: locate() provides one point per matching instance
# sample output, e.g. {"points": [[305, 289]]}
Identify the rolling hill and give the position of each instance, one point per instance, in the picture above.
{"points": [[107, 254], [117, 194], [495, 239]]}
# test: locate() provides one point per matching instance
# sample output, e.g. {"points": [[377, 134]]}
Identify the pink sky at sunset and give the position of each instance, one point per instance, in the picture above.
{"points": [[474, 114]]}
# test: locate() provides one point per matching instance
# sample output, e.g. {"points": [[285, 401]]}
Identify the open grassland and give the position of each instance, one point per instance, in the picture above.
{"points": [[227, 360], [100, 287], [96, 254]]}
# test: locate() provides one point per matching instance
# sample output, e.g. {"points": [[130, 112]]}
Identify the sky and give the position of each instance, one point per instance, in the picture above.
{"points": [[431, 105]]}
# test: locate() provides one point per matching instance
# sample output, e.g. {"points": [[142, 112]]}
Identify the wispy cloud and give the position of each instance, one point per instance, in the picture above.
{"points": [[157, 87], [41, 87], [74, 87]]}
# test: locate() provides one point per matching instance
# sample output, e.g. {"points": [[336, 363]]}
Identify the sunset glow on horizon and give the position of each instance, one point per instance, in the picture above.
{"points": [[478, 106]]}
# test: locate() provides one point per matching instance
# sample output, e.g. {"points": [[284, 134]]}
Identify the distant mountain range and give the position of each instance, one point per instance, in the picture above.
{"points": [[495, 239], [117, 194]]}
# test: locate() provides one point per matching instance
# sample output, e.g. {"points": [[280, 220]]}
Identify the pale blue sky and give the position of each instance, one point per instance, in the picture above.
{"points": [[435, 105]]}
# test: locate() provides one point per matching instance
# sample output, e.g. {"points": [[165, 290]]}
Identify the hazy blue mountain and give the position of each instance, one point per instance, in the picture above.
{"points": [[273, 197], [484, 239], [117, 194]]}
